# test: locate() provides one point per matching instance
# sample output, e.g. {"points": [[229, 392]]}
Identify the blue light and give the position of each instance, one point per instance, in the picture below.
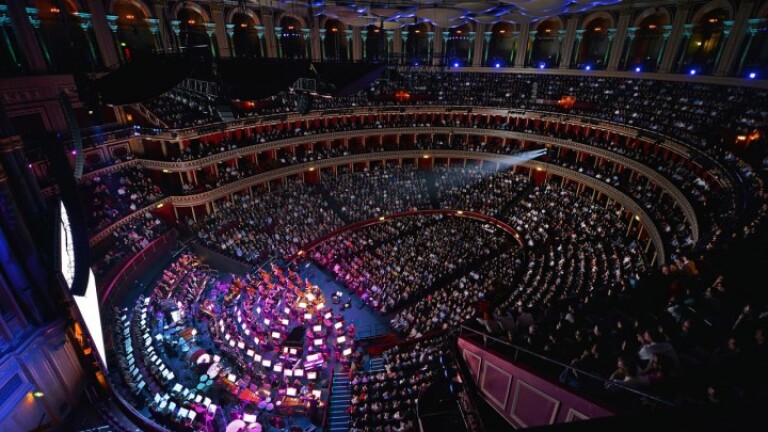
{"points": [[588, 67], [541, 65], [455, 65], [693, 72], [752, 75], [637, 69], [498, 65], [416, 63]]}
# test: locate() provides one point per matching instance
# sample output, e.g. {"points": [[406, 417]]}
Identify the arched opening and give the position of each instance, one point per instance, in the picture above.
{"points": [[375, 43], [756, 57], [546, 47], [12, 59], [336, 46], [245, 36], [134, 37], [593, 49], [703, 46], [646, 50], [501, 48], [417, 47], [458, 46], [67, 40], [292, 38], [193, 36]]}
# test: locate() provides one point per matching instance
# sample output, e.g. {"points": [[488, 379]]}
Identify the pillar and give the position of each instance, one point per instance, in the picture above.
{"points": [[213, 39], [472, 36], [154, 28], [104, 38], [676, 36], [167, 43], [394, 48], [437, 46], [112, 23], [220, 29], [560, 38], [566, 48], [687, 32], [529, 46], [752, 30], [348, 37], [522, 44], [230, 39], [322, 43], [727, 29], [740, 30], [667, 31], [85, 23], [309, 50], [620, 45], [358, 44], [486, 46], [24, 26], [270, 37], [631, 33], [579, 37], [479, 46]]}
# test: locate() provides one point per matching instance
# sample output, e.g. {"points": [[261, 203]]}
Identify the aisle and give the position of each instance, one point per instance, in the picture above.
{"points": [[368, 322]]}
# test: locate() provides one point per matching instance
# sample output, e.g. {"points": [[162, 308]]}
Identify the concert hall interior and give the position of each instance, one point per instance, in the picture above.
{"points": [[383, 215]]}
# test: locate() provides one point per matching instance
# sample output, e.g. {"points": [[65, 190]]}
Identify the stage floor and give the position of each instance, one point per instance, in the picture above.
{"points": [[367, 321]]}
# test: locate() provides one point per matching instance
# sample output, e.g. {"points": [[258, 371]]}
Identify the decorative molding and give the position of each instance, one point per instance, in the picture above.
{"points": [[499, 403], [518, 386]]}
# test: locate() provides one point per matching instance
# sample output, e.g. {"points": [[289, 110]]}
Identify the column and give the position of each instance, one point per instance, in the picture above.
{"points": [[567, 47], [676, 35], [616, 49], [486, 46], [348, 37], [513, 54], [727, 28], [112, 22], [220, 29], [480, 44], [85, 25], [231, 39], [740, 30], [6, 21], [104, 38], [529, 46], [279, 41], [308, 48], [322, 43], [393, 45], [667, 30], [579, 37], [358, 45], [362, 35], [26, 36], [176, 29], [403, 44], [154, 28], [166, 40], [687, 32], [471, 36], [560, 38], [262, 44], [752, 30], [522, 43], [438, 46], [210, 29], [270, 37], [631, 33], [443, 53]]}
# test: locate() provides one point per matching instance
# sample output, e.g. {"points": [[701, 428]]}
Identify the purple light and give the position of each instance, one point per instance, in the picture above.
{"points": [[416, 63], [74, 152], [29, 166], [637, 69], [752, 75], [693, 72]]}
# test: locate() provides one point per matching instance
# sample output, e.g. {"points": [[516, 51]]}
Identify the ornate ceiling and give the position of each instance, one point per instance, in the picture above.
{"points": [[442, 13]]}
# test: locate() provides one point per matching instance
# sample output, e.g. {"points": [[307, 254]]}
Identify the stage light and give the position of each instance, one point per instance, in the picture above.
{"points": [[637, 69], [455, 65], [693, 72], [38, 394], [415, 63], [498, 65], [588, 67], [752, 75], [541, 65]]}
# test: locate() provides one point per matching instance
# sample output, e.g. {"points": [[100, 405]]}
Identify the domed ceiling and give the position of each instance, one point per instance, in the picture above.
{"points": [[442, 13]]}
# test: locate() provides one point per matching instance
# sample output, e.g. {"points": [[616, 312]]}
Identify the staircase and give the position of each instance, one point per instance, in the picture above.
{"points": [[338, 409], [377, 364]]}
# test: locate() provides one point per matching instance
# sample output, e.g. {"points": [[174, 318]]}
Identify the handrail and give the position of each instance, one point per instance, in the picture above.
{"points": [[620, 385]]}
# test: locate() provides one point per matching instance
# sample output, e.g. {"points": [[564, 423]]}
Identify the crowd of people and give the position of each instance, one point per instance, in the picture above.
{"points": [[181, 108], [112, 196], [385, 400], [125, 242]]}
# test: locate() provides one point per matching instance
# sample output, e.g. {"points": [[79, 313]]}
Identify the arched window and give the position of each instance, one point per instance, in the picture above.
{"points": [[375, 43], [594, 46], [458, 46], [245, 36], [67, 39], [645, 52], [194, 36], [546, 47], [133, 35], [501, 49], [335, 40], [292, 38], [417, 48], [702, 47]]}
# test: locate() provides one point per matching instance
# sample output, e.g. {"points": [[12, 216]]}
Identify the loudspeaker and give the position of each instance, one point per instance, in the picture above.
{"points": [[304, 103]]}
